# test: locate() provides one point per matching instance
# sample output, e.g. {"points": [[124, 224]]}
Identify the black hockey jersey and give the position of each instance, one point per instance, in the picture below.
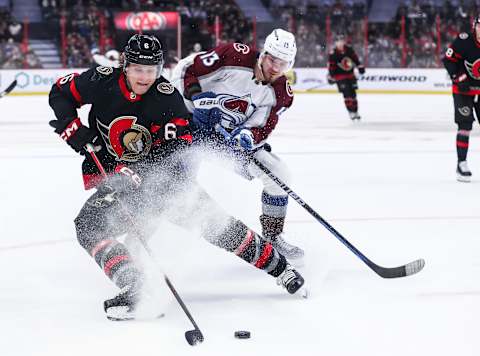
{"points": [[463, 57], [342, 63], [132, 128]]}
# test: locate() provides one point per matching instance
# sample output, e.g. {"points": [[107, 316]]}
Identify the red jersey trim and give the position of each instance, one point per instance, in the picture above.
{"points": [[187, 138], [90, 181], [75, 93], [470, 92], [179, 121], [127, 94], [344, 76], [454, 60]]}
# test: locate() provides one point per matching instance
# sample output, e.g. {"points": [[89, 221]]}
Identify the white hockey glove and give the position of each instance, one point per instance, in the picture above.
{"points": [[243, 138]]}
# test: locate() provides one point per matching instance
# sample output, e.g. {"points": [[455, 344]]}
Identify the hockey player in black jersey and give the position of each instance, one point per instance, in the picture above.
{"points": [[342, 60], [462, 61], [139, 127]]}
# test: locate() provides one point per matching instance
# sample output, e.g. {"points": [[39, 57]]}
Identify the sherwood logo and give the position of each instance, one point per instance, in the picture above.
{"points": [[393, 78]]}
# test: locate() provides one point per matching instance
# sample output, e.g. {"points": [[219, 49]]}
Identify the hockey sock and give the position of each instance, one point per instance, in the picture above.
{"points": [[248, 245], [462, 144], [274, 209], [271, 225], [115, 260], [351, 104]]}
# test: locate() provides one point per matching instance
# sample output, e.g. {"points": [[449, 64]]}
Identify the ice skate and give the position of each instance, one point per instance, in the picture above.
{"points": [[123, 306], [463, 172], [354, 116], [290, 279], [291, 252]]}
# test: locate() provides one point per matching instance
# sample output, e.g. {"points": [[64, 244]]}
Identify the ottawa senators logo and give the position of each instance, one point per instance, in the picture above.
{"points": [[104, 70], [126, 140], [473, 69], [165, 88], [346, 64]]}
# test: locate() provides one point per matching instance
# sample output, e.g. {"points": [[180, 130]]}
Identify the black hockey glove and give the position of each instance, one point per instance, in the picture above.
{"points": [[75, 134], [462, 82], [331, 80], [361, 69]]}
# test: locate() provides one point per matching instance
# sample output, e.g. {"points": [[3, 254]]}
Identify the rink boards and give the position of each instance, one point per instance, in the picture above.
{"points": [[303, 80]]}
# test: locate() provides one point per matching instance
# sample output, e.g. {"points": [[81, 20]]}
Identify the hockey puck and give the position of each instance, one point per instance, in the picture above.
{"points": [[242, 334]]}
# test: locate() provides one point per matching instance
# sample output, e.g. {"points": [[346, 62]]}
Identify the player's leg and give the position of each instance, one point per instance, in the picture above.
{"points": [[463, 105], [274, 203], [98, 223], [348, 89], [237, 238], [228, 233]]}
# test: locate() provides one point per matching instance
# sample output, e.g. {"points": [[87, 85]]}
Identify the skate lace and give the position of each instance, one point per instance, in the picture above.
{"points": [[287, 276]]}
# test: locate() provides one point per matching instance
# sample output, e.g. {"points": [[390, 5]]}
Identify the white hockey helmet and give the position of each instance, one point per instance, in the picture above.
{"points": [[281, 44]]}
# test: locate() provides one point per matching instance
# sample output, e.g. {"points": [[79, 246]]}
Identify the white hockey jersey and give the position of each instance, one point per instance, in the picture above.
{"points": [[228, 70]]}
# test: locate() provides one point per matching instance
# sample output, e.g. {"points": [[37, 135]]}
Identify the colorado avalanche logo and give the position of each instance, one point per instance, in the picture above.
{"points": [[346, 64], [235, 109], [126, 140], [473, 69]]}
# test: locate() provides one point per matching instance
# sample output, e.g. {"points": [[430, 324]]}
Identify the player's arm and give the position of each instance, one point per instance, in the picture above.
{"points": [[202, 64], [356, 60], [232, 54], [67, 95], [452, 60], [265, 119]]}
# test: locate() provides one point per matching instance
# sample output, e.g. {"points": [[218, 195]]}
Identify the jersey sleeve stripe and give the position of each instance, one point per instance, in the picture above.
{"points": [[75, 93]]}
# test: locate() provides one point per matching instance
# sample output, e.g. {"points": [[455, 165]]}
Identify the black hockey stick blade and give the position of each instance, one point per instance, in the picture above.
{"points": [[9, 88], [194, 336], [400, 271]]}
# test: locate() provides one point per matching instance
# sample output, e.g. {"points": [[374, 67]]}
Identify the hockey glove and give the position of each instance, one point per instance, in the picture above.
{"points": [[361, 69], [206, 113], [243, 138], [462, 82], [331, 80], [75, 134]]}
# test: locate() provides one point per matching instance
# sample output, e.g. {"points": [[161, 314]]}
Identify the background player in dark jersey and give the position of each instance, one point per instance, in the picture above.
{"points": [[139, 125], [462, 61], [342, 61]]}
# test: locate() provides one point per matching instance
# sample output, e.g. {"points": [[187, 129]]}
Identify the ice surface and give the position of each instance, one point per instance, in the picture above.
{"points": [[386, 183]]}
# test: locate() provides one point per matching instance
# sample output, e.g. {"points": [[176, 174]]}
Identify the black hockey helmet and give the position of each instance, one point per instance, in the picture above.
{"points": [[144, 49]]}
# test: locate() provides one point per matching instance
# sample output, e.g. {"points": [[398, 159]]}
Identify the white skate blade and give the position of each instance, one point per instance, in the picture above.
{"points": [[304, 292], [121, 313], [463, 179]]}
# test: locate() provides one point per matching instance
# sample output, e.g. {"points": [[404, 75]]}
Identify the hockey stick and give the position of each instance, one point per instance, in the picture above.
{"points": [[384, 272], [316, 86], [192, 336], [8, 89]]}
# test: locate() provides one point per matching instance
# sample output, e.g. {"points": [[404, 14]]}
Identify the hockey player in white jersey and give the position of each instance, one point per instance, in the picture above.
{"points": [[245, 91]]}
